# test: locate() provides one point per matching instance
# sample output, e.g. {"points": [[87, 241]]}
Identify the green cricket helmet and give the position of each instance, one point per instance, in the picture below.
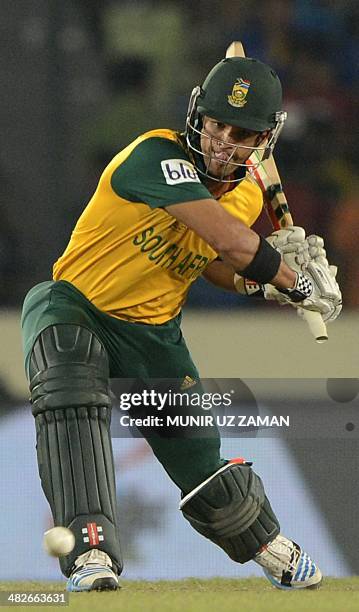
{"points": [[242, 92]]}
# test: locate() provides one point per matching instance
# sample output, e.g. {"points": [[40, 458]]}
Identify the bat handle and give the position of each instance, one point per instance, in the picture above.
{"points": [[315, 323]]}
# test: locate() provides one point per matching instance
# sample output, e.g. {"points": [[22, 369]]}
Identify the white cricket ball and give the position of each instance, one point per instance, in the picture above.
{"points": [[58, 541]]}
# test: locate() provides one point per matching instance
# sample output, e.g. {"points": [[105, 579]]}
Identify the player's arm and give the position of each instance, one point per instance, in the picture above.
{"points": [[220, 274], [223, 276], [238, 246]]}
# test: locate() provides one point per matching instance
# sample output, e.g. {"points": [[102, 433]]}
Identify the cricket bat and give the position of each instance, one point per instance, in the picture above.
{"points": [[268, 179]]}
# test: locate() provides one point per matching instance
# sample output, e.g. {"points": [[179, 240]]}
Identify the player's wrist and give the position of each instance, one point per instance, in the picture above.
{"points": [[286, 278], [265, 264]]}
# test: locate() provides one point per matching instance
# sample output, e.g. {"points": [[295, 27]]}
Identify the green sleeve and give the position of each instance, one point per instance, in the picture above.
{"points": [[158, 173]]}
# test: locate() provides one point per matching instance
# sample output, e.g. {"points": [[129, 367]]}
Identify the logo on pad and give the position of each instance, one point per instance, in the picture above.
{"points": [[92, 534]]}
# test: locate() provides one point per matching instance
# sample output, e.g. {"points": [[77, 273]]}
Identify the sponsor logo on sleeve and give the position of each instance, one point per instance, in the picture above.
{"points": [[179, 171]]}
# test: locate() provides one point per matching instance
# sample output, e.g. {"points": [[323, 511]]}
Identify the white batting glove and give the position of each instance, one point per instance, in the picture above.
{"points": [[318, 255], [297, 250], [316, 247], [289, 239], [283, 237], [326, 297], [316, 289], [292, 245]]}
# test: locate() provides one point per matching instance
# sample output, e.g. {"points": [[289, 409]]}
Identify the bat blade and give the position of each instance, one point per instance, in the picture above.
{"points": [[267, 177]]}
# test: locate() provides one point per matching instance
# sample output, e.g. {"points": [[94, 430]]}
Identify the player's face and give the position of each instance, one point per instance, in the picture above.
{"points": [[222, 144]]}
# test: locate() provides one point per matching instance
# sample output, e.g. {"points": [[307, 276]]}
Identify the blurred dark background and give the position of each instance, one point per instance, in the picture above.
{"points": [[81, 78]]}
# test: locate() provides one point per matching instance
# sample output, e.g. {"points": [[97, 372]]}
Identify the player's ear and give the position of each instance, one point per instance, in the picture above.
{"points": [[262, 137]]}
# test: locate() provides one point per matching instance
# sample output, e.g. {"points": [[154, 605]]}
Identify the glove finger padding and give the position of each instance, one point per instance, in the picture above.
{"points": [[315, 241], [328, 310], [329, 316], [281, 237], [326, 296], [315, 252], [333, 271], [292, 241], [316, 247], [296, 255], [316, 290], [324, 278], [292, 245]]}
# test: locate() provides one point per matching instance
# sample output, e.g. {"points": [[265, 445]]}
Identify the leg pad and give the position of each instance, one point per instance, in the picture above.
{"points": [[72, 409], [231, 509]]}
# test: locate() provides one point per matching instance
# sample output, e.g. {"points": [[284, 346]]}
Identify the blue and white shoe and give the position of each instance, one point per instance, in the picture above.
{"points": [[93, 572], [287, 566]]}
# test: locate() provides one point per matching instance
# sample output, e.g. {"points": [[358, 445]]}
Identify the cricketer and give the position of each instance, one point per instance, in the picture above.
{"points": [[168, 208]]}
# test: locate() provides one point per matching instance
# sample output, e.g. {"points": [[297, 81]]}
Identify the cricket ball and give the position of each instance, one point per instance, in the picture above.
{"points": [[58, 541]]}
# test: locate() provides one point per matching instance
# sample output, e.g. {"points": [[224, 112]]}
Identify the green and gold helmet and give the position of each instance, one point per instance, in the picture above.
{"points": [[242, 92]]}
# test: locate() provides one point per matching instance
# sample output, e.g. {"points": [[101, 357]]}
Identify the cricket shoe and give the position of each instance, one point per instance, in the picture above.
{"points": [[287, 566], [93, 572]]}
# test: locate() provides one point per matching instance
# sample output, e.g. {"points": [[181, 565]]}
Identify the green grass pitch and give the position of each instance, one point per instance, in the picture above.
{"points": [[194, 595]]}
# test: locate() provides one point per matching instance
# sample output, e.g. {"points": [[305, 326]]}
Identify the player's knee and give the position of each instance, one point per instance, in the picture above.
{"points": [[68, 368]]}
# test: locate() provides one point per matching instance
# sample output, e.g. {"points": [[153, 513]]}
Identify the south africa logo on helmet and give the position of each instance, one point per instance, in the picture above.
{"points": [[239, 93]]}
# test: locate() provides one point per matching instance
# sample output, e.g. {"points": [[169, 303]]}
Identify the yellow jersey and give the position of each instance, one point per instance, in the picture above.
{"points": [[127, 254]]}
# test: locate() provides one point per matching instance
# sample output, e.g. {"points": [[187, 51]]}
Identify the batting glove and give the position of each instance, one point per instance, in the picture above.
{"points": [[316, 289], [292, 245]]}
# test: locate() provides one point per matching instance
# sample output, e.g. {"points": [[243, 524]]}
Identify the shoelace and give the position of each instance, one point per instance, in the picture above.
{"points": [[293, 561], [294, 558], [92, 558]]}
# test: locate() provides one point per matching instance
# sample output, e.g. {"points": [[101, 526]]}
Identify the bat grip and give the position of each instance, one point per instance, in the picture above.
{"points": [[315, 324]]}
